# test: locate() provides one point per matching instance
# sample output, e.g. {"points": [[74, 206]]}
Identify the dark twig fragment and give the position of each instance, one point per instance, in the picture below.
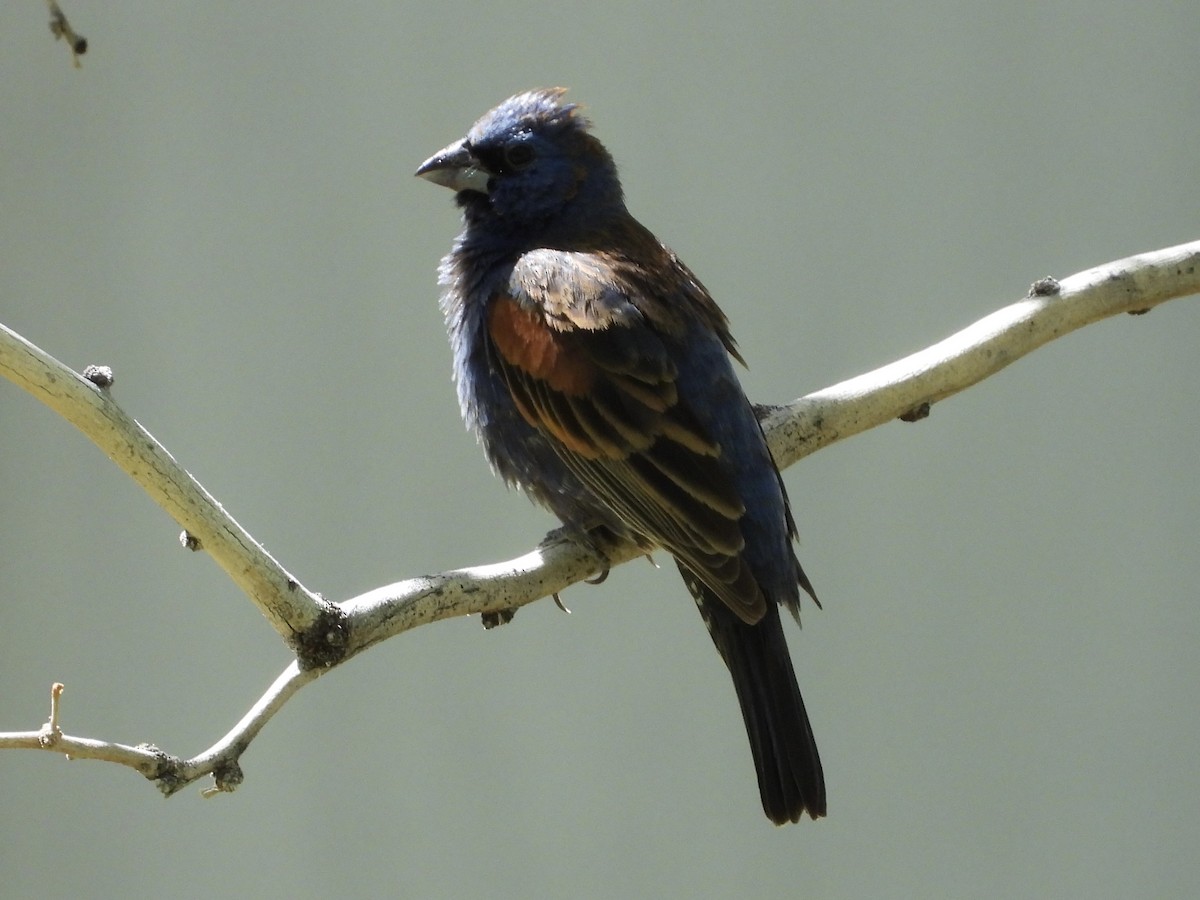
{"points": [[61, 28]]}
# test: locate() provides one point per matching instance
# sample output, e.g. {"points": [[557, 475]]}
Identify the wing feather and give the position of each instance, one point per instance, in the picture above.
{"points": [[585, 366]]}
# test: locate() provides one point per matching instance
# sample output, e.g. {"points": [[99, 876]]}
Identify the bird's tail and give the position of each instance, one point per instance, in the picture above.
{"points": [[790, 779]]}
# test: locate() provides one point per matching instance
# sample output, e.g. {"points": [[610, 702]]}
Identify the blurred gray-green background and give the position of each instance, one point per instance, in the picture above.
{"points": [[220, 205]]}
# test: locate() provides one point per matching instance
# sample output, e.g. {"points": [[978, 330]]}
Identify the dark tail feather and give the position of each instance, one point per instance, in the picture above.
{"points": [[790, 779]]}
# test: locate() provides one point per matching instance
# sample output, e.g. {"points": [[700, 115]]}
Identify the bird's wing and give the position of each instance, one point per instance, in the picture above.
{"points": [[586, 366]]}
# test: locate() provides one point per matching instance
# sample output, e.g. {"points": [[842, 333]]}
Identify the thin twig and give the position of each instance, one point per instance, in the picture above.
{"points": [[51, 732], [170, 773]]}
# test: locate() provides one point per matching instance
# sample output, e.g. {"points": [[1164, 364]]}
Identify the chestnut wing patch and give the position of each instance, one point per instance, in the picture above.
{"points": [[525, 341]]}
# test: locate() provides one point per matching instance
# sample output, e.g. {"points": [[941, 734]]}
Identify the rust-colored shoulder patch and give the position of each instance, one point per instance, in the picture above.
{"points": [[526, 342]]}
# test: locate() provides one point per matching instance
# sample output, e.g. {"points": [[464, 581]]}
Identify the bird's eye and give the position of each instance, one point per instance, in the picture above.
{"points": [[518, 156]]}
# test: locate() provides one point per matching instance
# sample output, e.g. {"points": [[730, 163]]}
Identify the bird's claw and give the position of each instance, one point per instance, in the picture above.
{"points": [[600, 577]]}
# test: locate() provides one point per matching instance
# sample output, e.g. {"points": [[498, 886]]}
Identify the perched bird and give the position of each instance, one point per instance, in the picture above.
{"points": [[595, 369]]}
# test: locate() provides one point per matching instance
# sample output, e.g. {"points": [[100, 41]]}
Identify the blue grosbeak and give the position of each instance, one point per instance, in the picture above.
{"points": [[596, 370]]}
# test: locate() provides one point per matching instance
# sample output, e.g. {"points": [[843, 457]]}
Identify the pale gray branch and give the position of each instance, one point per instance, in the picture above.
{"points": [[327, 634], [169, 772], [1131, 285], [90, 407]]}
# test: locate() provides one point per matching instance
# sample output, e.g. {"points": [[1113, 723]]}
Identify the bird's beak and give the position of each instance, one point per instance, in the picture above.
{"points": [[456, 168]]}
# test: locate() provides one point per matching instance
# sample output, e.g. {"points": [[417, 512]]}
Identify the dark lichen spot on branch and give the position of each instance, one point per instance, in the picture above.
{"points": [[323, 644], [228, 776], [167, 773], [497, 617], [762, 410]]}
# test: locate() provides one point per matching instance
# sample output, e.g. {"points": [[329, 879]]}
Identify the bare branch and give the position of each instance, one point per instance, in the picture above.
{"points": [[222, 757], [326, 634], [144, 758], [170, 773], [554, 565], [1052, 309], [88, 405]]}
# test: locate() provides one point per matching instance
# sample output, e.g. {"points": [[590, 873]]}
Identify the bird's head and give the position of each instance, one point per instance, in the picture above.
{"points": [[530, 166]]}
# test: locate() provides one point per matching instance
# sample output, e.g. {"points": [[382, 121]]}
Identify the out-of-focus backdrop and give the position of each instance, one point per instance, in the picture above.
{"points": [[220, 205]]}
